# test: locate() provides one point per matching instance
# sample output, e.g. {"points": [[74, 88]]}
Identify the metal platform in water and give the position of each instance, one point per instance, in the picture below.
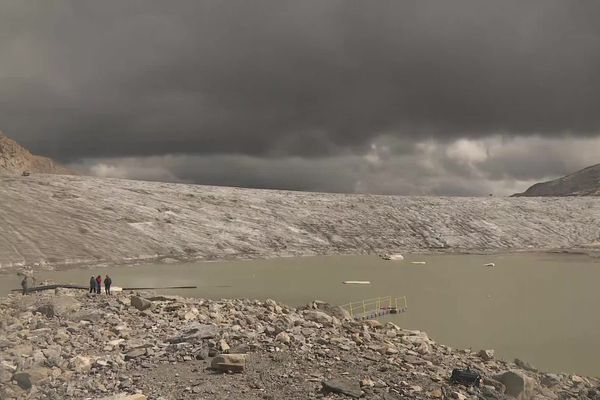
{"points": [[376, 307]]}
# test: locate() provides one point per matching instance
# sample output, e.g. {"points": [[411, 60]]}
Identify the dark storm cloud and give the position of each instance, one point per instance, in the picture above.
{"points": [[284, 78]]}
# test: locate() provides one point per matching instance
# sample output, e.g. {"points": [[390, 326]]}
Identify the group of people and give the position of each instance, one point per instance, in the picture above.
{"points": [[96, 284]]}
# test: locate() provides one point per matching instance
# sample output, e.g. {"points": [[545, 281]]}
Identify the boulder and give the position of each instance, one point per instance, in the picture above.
{"points": [[132, 344], [550, 380], [319, 317], [135, 353], [46, 310], [335, 311], [283, 337], [23, 379], [26, 379], [373, 324], [140, 303], [342, 386], [52, 355], [80, 364], [193, 332], [229, 362], [525, 365], [6, 371], [486, 355], [517, 385], [125, 396], [59, 306]]}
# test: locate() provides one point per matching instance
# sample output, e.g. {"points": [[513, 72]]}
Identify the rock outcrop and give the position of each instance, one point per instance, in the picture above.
{"points": [[15, 159], [585, 182]]}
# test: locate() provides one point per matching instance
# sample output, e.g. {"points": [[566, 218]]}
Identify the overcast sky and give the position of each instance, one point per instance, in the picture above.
{"points": [[406, 97]]}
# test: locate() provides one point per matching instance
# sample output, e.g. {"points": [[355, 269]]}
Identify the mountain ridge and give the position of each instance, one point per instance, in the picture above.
{"points": [[585, 182], [15, 159]]}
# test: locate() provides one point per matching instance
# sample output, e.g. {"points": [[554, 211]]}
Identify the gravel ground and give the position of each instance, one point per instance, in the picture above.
{"points": [[78, 346]]}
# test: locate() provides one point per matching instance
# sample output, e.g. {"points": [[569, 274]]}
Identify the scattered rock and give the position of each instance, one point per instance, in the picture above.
{"points": [[525, 365], [46, 309], [486, 355], [80, 364], [125, 396], [140, 303], [229, 362], [342, 386], [23, 379], [135, 353], [283, 337], [319, 317], [163, 355], [517, 385], [194, 332], [224, 346]]}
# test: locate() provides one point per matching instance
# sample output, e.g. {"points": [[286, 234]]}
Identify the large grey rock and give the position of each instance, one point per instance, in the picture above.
{"points": [[525, 365], [80, 364], [486, 355], [229, 362], [125, 396], [59, 306], [46, 310], [319, 317], [52, 354], [343, 386], [517, 385], [550, 380], [140, 303], [26, 379], [135, 353], [194, 332], [335, 311]]}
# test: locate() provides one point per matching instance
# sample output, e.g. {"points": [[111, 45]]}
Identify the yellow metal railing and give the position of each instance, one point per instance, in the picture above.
{"points": [[376, 306]]}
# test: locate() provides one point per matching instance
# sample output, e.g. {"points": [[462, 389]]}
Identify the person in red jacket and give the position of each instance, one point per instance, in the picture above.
{"points": [[98, 284]]}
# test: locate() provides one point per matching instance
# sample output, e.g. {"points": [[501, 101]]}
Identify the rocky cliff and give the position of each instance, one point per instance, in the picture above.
{"points": [[57, 219], [15, 159], [585, 182]]}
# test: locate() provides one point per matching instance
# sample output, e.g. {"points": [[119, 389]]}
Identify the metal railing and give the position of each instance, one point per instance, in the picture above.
{"points": [[376, 307]]}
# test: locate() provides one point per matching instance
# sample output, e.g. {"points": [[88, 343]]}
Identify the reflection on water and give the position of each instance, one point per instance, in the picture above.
{"points": [[540, 308]]}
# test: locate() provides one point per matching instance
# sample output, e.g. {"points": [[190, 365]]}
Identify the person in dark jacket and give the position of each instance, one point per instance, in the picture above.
{"points": [[107, 283], [92, 284], [24, 285], [98, 284]]}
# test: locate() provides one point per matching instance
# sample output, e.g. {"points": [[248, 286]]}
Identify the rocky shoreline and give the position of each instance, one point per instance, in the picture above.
{"points": [[67, 344]]}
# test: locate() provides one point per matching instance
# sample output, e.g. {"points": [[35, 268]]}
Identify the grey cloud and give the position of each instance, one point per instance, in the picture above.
{"points": [[279, 79], [464, 167]]}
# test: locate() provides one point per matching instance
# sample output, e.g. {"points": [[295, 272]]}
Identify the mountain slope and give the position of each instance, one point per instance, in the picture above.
{"points": [[15, 159], [585, 182], [58, 219]]}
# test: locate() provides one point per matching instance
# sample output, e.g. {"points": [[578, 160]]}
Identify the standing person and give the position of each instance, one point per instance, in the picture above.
{"points": [[107, 283], [98, 284], [24, 284], [92, 284]]}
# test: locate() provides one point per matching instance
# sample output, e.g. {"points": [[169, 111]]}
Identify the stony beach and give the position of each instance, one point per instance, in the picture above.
{"points": [[69, 344]]}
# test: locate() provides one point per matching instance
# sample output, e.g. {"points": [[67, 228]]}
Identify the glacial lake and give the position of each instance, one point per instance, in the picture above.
{"points": [[541, 308]]}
